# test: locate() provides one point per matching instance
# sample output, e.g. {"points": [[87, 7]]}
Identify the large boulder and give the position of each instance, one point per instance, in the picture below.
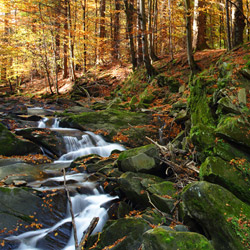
{"points": [[143, 159], [50, 140], [12, 145], [143, 188], [234, 129], [230, 176], [122, 234], [161, 239], [221, 215]]}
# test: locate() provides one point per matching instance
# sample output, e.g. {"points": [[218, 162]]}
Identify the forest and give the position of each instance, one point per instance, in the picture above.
{"points": [[125, 124]]}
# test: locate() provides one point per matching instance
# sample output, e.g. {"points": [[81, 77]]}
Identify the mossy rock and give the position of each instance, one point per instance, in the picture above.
{"points": [[234, 129], [122, 234], [48, 139], [144, 159], [171, 82], [226, 106], [227, 151], [161, 239], [134, 186], [199, 104], [203, 138], [110, 120], [221, 215], [221, 172], [11, 145]]}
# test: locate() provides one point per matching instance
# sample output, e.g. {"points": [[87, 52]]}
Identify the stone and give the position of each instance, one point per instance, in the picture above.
{"points": [[11, 145], [221, 215], [161, 239], [143, 159], [233, 178], [242, 96]]}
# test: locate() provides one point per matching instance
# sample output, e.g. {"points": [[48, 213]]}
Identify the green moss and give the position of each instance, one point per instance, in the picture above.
{"points": [[161, 239], [199, 105], [211, 206]]}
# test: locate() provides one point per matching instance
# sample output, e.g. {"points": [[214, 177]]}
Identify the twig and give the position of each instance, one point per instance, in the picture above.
{"points": [[162, 213], [71, 211], [89, 230]]}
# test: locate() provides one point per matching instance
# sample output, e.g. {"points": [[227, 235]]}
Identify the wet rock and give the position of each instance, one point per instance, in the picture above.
{"points": [[221, 215], [161, 239], [48, 139], [125, 233], [143, 159], [231, 177], [11, 145], [234, 129]]}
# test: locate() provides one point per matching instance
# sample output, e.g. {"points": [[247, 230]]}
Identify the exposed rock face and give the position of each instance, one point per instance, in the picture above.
{"points": [[11, 145], [223, 217]]}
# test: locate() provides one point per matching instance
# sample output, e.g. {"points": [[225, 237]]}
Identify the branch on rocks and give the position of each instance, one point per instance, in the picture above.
{"points": [[88, 232], [71, 210]]}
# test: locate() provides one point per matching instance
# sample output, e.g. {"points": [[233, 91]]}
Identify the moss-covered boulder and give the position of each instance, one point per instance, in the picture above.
{"points": [[199, 104], [234, 129], [11, 145], [221, 215], [143, 159], [162, 239], [110, 120], [50, 140], [225, 105], [230, 176], [122, 234], [143, 188]]}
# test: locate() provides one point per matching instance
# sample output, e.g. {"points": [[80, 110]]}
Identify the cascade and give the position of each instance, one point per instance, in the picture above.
{"points": [[85, 206]]}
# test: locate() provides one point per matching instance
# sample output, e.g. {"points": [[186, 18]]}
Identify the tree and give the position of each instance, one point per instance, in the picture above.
{"points": [[190, 56], [238, 23], [146, 59], [199, 26]]}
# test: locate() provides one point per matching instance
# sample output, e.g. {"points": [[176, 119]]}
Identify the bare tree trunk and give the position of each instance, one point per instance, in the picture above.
{"points": [[139, 38], [146, 59], [129, 8], [229, 44], [190, 56], [238, 23], [170, 30], [199, 26], [84, 4], [116, 30], [65, 42]]}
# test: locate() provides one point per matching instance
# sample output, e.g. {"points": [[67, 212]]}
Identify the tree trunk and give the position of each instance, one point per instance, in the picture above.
{"points": [[84, 4], [139, 38], [146, 59], [116, 40], [199, 26], [190, 56], [129, 15], [238, 23], [65, 42], [229, 44]]}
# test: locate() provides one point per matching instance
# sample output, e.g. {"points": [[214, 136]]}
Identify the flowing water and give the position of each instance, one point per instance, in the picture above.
{"points": [[86, 206]]}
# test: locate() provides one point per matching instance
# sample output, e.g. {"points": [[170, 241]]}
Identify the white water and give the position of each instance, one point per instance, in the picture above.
{"points": [[85, 206]]}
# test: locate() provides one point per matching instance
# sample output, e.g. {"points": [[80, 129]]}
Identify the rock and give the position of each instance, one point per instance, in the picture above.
{"points": [[221, 215], [11, 145], [221, 172], [110, 120], [171, 82], [48, 139], [78, 110], [132, 103], [242, 96], [140, 187], [182, 116], [143, 159], [225, 106], [39, 111], [123, 234], [162, 239], [199, 105], [245, 72], [235, 130]]}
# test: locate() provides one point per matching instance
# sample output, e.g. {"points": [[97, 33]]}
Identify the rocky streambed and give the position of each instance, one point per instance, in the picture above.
{"points": [[148, 206]]}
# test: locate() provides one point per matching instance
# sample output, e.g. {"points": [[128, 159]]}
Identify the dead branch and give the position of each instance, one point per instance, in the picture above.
{"points": [[89, 230], [71, 210]]}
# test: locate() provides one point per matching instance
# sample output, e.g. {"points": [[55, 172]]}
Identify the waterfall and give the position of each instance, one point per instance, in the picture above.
{"points": [[85, 206]]}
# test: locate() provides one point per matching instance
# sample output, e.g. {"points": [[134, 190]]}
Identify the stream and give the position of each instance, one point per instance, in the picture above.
{"points": [[86, 205]]}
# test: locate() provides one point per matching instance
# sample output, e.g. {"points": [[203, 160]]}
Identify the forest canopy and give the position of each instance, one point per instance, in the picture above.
{"points": [[45, 38]]}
